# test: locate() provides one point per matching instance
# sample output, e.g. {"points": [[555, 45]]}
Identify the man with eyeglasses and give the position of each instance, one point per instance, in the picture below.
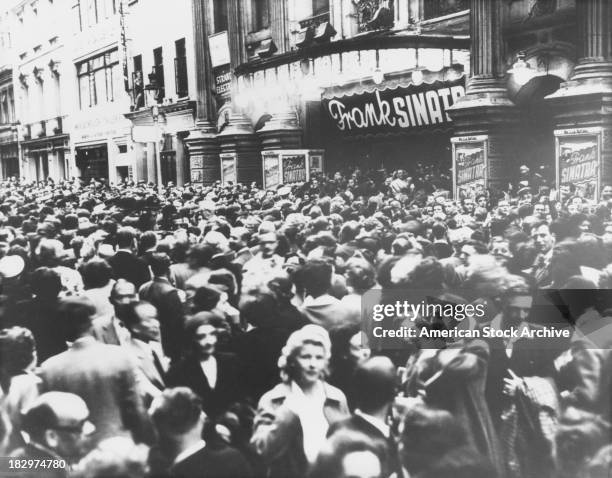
{"points": [[58, 432]]}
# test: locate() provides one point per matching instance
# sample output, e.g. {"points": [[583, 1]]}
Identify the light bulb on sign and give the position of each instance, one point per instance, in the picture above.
{"points": [[417, 77], [378, 76]]}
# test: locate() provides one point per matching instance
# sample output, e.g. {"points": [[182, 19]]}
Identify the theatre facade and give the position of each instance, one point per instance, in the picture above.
{"points": [[474, 88]]}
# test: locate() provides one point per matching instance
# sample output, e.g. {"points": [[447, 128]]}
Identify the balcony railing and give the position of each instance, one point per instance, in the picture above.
{"points": [[41, 129], [180, 74], [42, 132], [27, 132]]}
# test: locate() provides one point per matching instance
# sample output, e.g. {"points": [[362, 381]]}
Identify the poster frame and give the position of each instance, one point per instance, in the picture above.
{"points": [[480, 140], [577, 133], [222, 158]]}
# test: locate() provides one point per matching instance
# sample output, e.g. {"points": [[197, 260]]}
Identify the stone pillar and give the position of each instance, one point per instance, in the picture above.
{"points": [[279, 24], [486, 110], [281, 131], [150, 149], [239, 139], [585, 101], [202, 141]]}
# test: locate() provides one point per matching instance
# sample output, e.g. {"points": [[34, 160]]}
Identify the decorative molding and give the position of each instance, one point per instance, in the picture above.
{"points": [[374, 14], [37, 72], [54, 67]]}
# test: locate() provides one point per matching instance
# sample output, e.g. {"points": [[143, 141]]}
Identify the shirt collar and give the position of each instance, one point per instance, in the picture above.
{"points": [[375, 422], [190, 450]]}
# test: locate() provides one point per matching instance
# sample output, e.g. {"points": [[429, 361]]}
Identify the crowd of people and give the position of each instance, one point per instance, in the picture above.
{"points": [[217, 331]]}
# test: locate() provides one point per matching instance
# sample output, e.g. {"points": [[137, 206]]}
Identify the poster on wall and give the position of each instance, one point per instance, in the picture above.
{"points": [[228, 169], [578, 159], [316, 163], [469, 166], [271, 169], [294, 168], [197, 176]]}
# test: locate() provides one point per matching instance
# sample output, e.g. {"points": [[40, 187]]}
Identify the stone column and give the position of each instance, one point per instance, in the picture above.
{"points": [[486, 108], [239, 138], [279, 24], [202, 141], [585, 101]]}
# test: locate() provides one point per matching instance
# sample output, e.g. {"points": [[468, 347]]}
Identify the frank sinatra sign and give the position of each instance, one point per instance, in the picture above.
{"points": [[395, 110]]}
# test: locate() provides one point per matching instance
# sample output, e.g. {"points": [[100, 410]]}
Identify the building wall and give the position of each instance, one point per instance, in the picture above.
{"points": [[42, 84], [96, 119]]}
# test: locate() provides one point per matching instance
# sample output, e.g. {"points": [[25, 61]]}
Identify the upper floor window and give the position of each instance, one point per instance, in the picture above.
{"points": [[7, 106], [319, 7], [138, 100], [91, 12], [97, 78], [260, 11], [180, 69], [220, 15], [440, 8]]}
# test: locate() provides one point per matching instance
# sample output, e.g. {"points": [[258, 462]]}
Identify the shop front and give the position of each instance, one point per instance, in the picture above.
{"points": [[368, 104], [9, 153], [47, 158], [401, 123], [102, 146]]}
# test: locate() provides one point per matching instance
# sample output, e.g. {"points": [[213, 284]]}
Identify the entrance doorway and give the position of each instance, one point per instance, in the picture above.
{"points": [[93, 162]]}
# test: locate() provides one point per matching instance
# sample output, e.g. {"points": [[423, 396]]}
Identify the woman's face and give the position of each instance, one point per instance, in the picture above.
{"points": [[310, 364]]}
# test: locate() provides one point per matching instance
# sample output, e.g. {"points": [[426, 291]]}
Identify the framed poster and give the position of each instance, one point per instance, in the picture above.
{"points": [[578, 162], [271, 169], [228, 168], [294, 168], [316, 162], [469, 166], [196, 162], [197, 176]]}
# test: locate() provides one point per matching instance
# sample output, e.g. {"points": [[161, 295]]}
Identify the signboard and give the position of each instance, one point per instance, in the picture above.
{"points": [[223, 81], [271, 169], [578, 161], [401, 109], [294, 168], [197, 176], [228, 168], [316, 163], [469, 166], [219, 49]]}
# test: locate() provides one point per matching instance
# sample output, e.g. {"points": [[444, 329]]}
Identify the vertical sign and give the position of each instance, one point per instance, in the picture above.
{"points": [[579, 162], [196, 163], [123, 43], [470, 164], [220, 61], [271, 169], [228, 168]]}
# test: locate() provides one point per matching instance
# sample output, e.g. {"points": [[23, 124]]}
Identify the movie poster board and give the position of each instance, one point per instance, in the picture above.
{"points": [[470, 165], [228, 168], [578, 161]]}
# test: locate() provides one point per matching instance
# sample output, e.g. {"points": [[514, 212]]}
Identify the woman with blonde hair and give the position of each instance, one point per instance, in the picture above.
{"points": [[293, 418]]}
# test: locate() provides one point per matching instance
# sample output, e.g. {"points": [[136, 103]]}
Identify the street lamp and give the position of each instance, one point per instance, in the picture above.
{"points": [[151, 91]]}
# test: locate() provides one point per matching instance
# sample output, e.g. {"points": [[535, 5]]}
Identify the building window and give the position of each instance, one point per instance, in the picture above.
{"points": [[97, 77], [319, 7], [220, 15], [440, 8], [138, 100], [261, 14], [158, 71], [180, 69]]}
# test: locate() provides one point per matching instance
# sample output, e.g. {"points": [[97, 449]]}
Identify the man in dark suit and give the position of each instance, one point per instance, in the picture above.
{"points": [[166, 299], [102, 375], [214, 377], [179, 421], [126, 265], [375, 387], [111, 329]]}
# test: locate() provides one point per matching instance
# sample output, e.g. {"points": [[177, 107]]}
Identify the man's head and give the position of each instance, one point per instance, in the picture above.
{"points": [[160, 264], [539, 210], [59, 421], [142, 320], [516, 303], [202, 331], [122, 296], [177, 415], [317, 276], [77, 316], [376, 373], [542, 237], [126, 238], [268, 243]]}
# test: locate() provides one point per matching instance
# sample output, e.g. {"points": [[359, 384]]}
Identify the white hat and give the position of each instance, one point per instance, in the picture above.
{"points": [[11, 266]]}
